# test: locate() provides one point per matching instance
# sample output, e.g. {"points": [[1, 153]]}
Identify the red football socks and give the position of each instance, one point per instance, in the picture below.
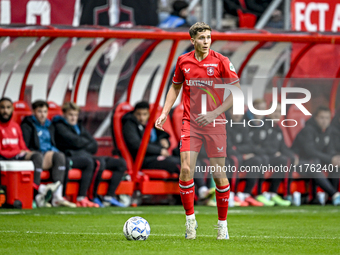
{"points": [[222, 201], [187, 191]]}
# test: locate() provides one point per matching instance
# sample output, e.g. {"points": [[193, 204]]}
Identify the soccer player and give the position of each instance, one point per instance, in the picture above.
{"points": [[198, 72]]}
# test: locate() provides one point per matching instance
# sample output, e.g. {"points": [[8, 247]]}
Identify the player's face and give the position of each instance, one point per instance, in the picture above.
{"points": [[71, 117], [323, 119], [41, 114], [202, 42], [276, 115], [261, 106], [6, 109], [235, 117], [142, 115]]}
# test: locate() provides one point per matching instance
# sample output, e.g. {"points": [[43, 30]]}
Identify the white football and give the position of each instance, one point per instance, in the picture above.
{"points": [[136, 228]]}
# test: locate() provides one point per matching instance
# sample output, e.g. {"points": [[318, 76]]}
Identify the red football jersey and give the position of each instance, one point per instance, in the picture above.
{"points": [[12, 141], [199, 79]]}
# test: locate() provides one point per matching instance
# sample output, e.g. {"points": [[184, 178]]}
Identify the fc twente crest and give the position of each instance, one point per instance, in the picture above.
{"points": [[210, 70]]}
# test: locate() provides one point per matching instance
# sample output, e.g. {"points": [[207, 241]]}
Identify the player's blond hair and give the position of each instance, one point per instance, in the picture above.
{"points": [[198, 27], [70, 106], [258, 101]]}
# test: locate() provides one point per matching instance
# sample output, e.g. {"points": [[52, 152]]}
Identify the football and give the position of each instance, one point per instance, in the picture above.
{"points": [[136, 228]]}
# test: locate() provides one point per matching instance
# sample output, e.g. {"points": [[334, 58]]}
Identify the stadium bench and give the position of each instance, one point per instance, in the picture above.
{"points": [[149, 181], [20, 110]]}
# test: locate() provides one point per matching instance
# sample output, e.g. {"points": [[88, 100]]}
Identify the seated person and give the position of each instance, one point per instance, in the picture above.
{"points": [[314, 145], [38, 134], [239, 145], [157, 155], [76, 142], [13, 147], [335, 138], [178, 16], [270, 144]]}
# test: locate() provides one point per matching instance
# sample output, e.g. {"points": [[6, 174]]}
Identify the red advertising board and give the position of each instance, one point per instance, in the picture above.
{"points": [[315, 15], [42, 12]]}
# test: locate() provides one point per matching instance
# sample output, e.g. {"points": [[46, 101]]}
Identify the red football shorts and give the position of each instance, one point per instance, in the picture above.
{"points": [[215, 144]]}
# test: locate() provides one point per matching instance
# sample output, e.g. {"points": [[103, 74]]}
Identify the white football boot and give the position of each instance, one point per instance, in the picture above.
{"points": [[222, 231], [191, 226]]}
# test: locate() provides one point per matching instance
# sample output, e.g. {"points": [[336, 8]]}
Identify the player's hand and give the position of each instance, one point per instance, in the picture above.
{"points": [[248, 156], [165, 153], [160, 121], [336, 160], [164, 143], [277, 154], [205, 119]]}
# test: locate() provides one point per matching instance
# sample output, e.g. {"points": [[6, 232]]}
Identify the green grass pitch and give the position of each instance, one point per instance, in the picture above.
{"points": [[293, 230]]}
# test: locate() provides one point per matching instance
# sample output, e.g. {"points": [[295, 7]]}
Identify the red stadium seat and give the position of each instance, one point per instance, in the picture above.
{"points": [[21, 110], [151, 181], [119, 112], [246, 20], [53, 110]]}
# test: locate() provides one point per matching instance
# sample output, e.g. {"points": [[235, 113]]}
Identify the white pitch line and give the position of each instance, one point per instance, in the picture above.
{"points": [[72, 212], [127, 212], [12, 213], [176, 235]]}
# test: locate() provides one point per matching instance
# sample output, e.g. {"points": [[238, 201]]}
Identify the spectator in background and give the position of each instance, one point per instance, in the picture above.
{"points": [[13, 147], [259, 104], [157, 155], [335, 138], [239, 145], [231, 7], [314, 145], [38, 134], [274, 151], [178, 16], [256, 7], [75, 141]]}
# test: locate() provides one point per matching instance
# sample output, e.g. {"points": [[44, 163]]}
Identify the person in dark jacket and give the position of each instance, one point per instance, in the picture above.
{"points": [[76, 142], [240, 145], [178, 17], [157, 155], [314, 145], [275, 153], [335, 139], [38, 134]]}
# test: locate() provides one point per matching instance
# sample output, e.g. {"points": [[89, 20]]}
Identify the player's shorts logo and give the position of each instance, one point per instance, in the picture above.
{"points": [[210, 70]]}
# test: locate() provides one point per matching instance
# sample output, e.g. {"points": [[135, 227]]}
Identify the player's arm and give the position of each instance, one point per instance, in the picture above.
{"points": [[225, 106], [228, 71], [205, 119], [169, 102]]}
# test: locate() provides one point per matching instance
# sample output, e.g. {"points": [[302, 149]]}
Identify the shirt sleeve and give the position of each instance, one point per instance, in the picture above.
{"points": [[22, 144], [228, 71], [178, 75]]}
